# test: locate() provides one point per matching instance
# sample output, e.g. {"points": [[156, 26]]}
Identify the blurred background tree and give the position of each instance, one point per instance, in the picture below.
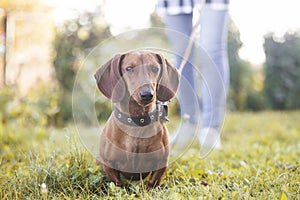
{"points": [[74, 40], [240, 71], [243, 94], [282, 71]]}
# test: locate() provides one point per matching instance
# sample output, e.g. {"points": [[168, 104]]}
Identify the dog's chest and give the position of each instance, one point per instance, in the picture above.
{"points": [[135, 145], [143, 140]]}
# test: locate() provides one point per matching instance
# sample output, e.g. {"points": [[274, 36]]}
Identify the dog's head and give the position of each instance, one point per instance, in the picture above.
{"points": [[145, 75]]}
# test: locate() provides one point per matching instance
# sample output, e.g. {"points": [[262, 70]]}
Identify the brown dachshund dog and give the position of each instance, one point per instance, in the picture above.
{"points": [[134, 141]]}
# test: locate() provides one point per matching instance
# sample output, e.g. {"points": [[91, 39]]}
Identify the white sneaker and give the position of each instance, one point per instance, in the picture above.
{"points": [[209, 138]]}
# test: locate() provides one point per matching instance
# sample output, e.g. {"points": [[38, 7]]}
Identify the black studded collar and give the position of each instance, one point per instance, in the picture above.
{"points": [[159, 114]]}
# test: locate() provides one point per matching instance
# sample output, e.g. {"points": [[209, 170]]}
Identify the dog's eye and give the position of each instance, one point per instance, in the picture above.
{"points": [[129, 69], [154, 69]]}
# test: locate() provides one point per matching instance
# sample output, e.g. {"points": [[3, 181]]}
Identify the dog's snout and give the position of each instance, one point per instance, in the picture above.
{"points": [[146, 95]]}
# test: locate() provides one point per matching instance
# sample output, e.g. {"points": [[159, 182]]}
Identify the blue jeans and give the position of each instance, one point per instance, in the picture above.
{"points": [[214, 64]]}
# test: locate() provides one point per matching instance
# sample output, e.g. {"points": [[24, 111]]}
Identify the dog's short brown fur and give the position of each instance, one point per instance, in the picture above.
{"points": [[133, 151]]}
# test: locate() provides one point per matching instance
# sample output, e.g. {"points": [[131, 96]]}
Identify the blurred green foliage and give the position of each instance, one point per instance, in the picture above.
{"points": [[73, 42], [244, 94], [282, 71], [38, 107]]}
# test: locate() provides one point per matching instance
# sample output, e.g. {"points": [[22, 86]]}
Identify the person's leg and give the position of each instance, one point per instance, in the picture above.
{"points": [[180, 27], [214, 67]]}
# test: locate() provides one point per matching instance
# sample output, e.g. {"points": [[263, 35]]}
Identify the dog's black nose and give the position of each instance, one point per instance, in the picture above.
{"points": [[146, 95]]}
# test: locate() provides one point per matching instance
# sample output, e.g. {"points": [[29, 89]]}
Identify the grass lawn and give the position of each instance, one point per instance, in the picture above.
{"points": [[260, 159]]}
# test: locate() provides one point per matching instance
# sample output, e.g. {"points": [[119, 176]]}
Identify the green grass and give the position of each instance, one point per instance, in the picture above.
{"points": [[260, 159]]}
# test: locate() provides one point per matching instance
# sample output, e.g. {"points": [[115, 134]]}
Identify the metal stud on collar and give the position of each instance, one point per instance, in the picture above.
{"points": [[142, 120]]}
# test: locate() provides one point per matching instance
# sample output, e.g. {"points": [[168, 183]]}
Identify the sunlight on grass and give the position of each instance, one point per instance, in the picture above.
{"points": [[259, 160]]}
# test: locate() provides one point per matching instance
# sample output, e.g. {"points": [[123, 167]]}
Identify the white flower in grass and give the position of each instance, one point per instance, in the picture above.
{"points": [[44, 189]]}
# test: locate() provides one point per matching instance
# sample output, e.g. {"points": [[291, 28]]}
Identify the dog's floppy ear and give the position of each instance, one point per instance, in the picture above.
{"points": [[109, 79], [169, 80]]}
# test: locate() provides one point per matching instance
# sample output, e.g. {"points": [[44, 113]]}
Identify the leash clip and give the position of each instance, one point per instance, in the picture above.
{"points": [[162, 111]]}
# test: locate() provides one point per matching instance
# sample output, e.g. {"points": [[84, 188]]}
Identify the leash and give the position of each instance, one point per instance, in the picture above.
{"points": [[192, 38]]}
